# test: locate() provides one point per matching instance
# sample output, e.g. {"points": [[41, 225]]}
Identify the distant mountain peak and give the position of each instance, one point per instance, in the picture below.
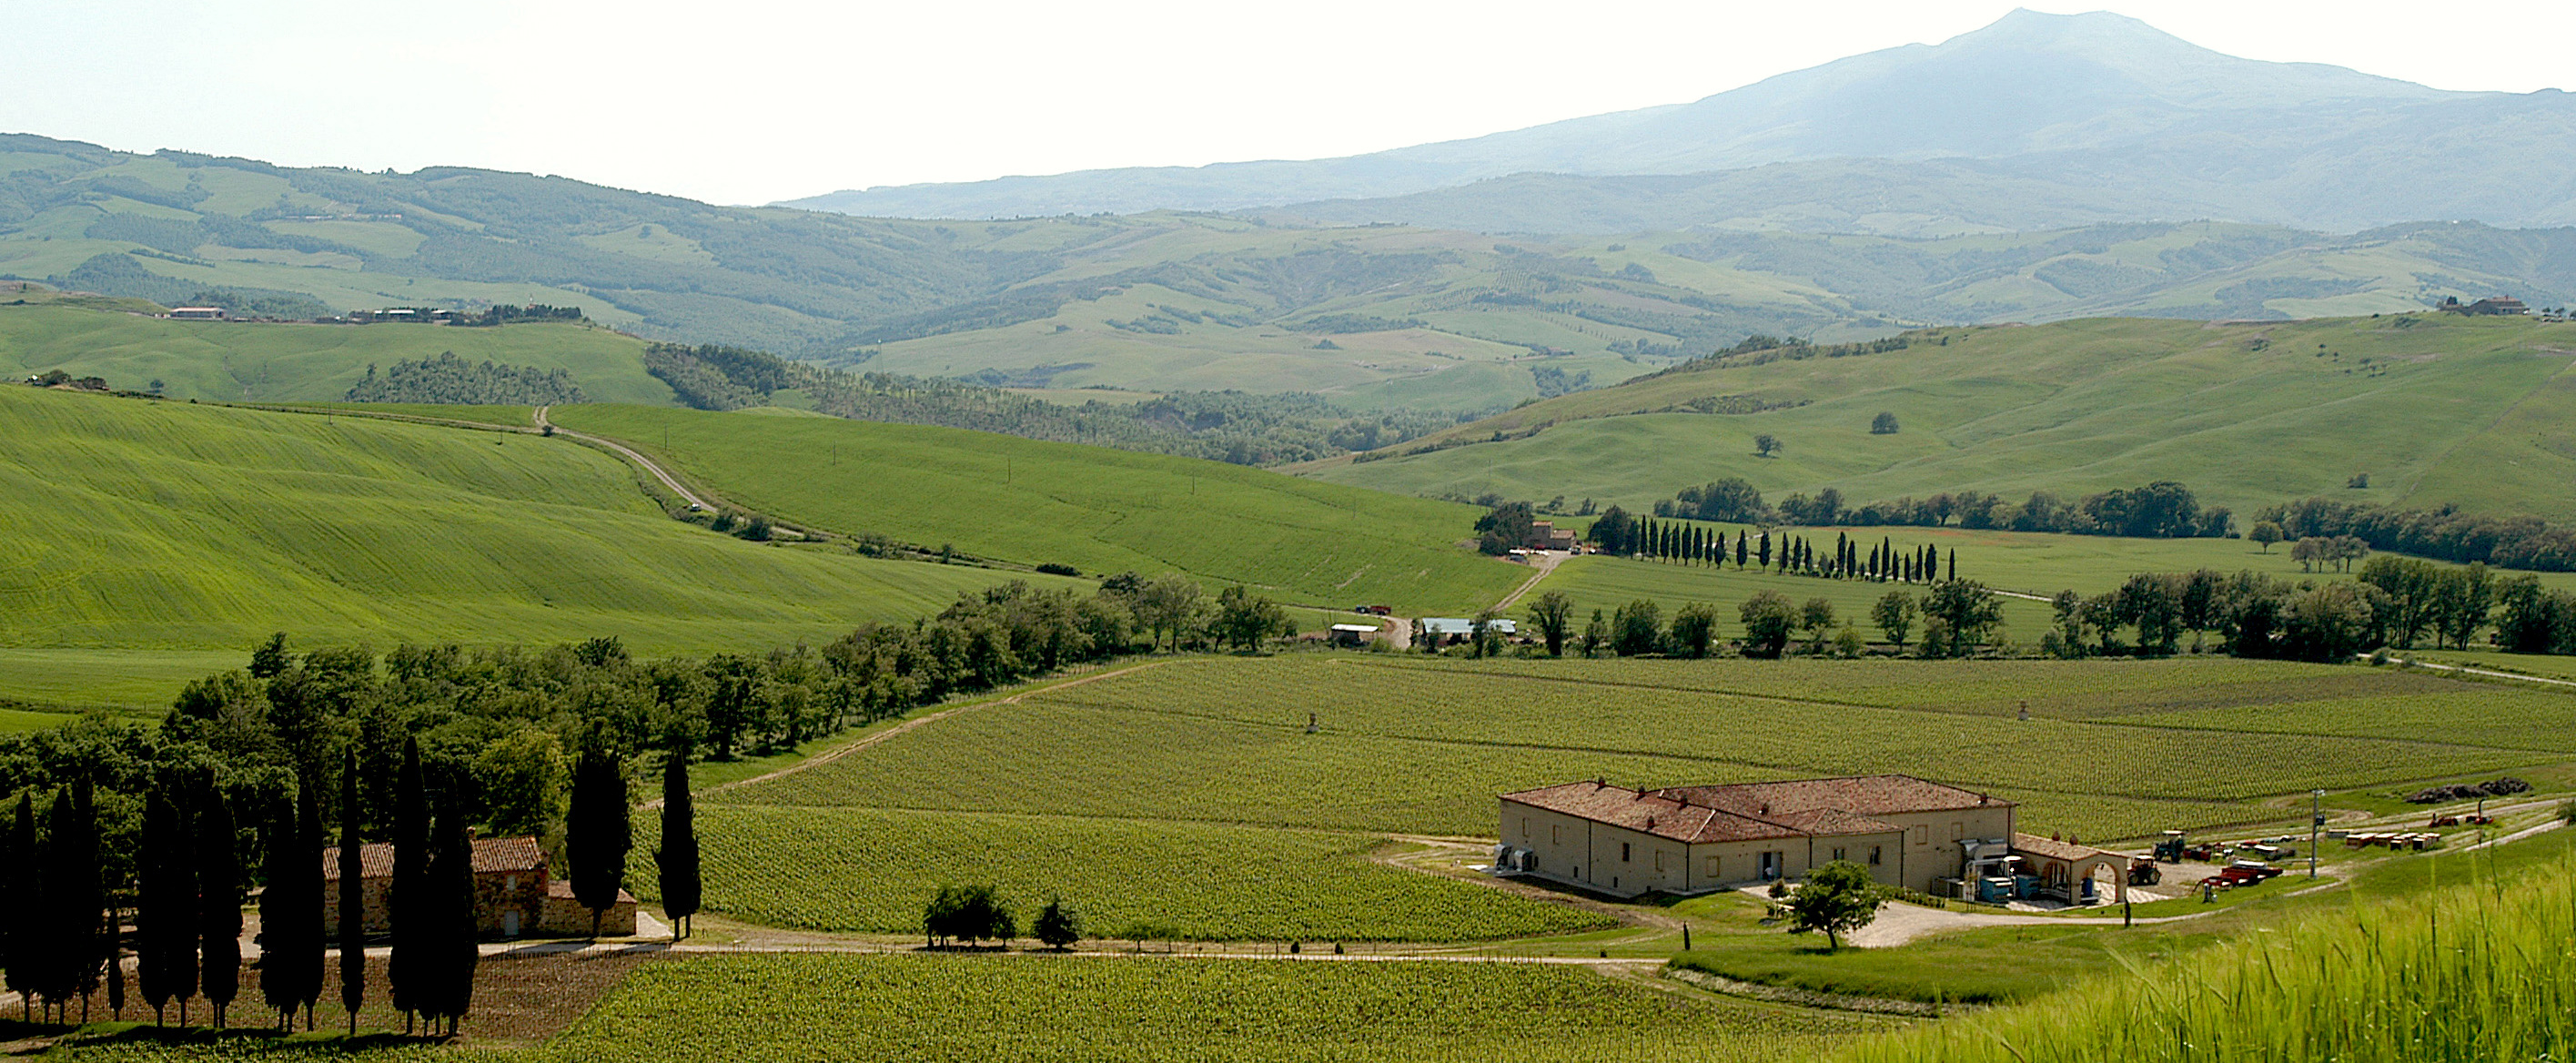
{"points": [[2024, 89]]}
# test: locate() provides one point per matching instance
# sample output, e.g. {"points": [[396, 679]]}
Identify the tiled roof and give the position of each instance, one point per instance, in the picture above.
{"points": [[1663, 817], [2056, 850], [1754, 811], [491, 856], [1864, 795]]}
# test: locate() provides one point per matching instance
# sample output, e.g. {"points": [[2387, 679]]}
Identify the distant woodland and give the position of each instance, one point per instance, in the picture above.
{"points": [[453, 381]]}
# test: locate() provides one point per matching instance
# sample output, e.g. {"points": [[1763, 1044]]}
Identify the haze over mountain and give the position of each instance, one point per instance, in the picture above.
{"points": [[2035, 121]]}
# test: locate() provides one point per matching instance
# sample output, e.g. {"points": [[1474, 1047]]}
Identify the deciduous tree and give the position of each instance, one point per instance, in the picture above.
{"points": [[1553, 616], [1836, 899]]}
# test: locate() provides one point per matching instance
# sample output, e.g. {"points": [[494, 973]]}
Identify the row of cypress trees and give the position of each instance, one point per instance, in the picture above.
{"points": [[65, 935], [56, 939], [1676, 541]]}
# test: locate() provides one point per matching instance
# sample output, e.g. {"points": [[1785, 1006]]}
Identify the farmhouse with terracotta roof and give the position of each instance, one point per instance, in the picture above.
{"points": [[1696, 839], [514, 896]]}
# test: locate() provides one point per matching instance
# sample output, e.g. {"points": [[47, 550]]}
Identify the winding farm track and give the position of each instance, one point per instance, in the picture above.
{"points": [[630, 453]]}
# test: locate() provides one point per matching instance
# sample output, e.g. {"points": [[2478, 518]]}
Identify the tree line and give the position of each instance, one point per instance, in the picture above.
{"points": [[1616, 532], [2518, 542], [2160, 510], [452, 381], [1956, 617]]}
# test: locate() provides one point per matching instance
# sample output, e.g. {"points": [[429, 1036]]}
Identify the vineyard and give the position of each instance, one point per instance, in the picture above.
{"points": [[931, 1009], [868, 870], [1243, 824]]}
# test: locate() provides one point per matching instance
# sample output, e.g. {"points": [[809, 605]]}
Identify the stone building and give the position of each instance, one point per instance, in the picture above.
{"points": [[1697, 839], [514, 895]]}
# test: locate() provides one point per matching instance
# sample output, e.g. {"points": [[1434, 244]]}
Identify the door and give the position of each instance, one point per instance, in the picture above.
{"points": [[1770, 865], [510, 923]]}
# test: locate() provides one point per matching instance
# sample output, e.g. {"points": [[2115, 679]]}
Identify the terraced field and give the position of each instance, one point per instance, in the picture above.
{"points": [[1053, 794]]}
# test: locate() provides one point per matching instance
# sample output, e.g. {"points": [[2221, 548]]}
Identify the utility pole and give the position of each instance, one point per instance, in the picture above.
{"points": [[2316, 822]]}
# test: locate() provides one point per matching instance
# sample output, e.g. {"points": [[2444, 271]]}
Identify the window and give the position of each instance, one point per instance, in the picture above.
{"points": [[1918, 834], [1873, 855], [1716, 870], [1525, 826], [1659, 860], [1556, 834], [1623, 852], [1957, 831], [1838, 854]]}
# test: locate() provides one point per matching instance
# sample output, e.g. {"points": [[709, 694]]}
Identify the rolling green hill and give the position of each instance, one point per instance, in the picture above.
{"points": [[1370, 315], [224, 361], [159, 527], [2436, 409], [1102, 511]]}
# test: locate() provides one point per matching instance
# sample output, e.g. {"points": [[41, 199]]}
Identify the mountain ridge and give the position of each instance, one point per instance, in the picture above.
{"points": [[2063, 101]]}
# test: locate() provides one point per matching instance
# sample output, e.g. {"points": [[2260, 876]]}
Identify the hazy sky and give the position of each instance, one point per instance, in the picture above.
{"points": [[756, 100]]}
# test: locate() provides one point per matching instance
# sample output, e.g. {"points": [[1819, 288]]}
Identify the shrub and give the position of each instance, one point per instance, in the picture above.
{"points": [[1052, 569]]}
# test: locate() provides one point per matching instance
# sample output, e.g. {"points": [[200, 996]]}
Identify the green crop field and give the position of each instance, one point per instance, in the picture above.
{"points": [[1048, 794], [923, 1009], [2436, 410], [228, 361], [161, 527], [862, 869], [1102, 511]]}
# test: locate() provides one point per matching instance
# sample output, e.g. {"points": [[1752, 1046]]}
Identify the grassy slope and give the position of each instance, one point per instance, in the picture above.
{"points": [[237, 362], [2445, 411], [1099, 510], [165, 526]]}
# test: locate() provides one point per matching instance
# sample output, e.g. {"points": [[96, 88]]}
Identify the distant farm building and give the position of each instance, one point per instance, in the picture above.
{"points": [[198, 313], [514, 896], [1352, 634], [2495, 305], [1683, 840], [1451, 631], [1545, 535]]}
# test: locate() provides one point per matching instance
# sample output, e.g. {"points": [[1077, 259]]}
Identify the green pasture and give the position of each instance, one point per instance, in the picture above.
{"points": [[2435, 410], [121, 681], [162, 526], [927, 1009], [1101, 511], [230, 361]]}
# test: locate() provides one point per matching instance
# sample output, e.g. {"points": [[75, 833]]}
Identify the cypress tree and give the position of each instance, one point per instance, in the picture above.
{"points": [[218, 903], [85, 896], [165, 916], [1765, 555], [597, 831], [1842, 553], [307, 914], [408, 903], [678, 856], [1740, 536], [1954, 562], [55, 966], [455, 883], [17, 935], [277, 931], [353, 898]]}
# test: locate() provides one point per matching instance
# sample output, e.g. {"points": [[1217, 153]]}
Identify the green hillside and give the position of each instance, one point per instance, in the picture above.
{"points": [[224, 361], [155, 526], [1099, 510], [1371, 315], [2435, 409]]}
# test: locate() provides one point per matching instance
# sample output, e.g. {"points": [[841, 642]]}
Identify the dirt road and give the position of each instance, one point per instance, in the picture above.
{"points": [[631, 454]]}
